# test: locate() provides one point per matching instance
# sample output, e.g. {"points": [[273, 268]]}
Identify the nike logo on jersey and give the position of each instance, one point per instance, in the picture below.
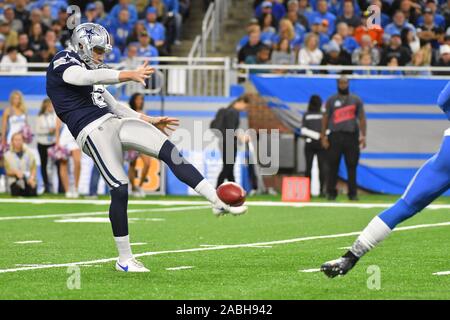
{"points": [[64, 60]]}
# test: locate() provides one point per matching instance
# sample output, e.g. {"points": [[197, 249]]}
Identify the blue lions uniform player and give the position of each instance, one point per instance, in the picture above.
{"points": [[103, 128], [430, 182]]}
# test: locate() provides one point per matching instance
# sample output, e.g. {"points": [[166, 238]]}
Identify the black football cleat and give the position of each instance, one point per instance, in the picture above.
{"points": [[339, 267]]}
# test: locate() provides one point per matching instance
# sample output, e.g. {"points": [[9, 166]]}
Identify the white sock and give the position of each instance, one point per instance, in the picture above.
{"points": [[206, 189], [124, 248], [373, 234]]}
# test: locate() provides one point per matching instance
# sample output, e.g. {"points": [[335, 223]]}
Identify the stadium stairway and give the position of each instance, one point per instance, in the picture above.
{"points": [[233, 30]]}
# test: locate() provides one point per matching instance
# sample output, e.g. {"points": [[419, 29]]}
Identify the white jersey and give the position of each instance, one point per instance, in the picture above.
{"points": [[16, 123]]}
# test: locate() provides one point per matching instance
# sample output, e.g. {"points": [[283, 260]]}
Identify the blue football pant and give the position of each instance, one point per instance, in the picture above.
{"points": [[430, 182]]}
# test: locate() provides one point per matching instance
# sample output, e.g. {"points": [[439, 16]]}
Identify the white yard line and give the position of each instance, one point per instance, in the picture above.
{"points": [[28, 242], [179, 268], [200, 203], [138, 244], [218, 245], [442, 273], [309, 270], [84, 214], [223, 247]]}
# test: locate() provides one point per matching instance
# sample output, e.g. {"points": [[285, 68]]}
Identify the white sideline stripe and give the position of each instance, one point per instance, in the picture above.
{"points": [[138, 244], [442, 273], [233, 246], [179, 268], [218, 245], [309, 270], [84, 214], [344, 248], [28, 241], [103, 220], [200, 203]]}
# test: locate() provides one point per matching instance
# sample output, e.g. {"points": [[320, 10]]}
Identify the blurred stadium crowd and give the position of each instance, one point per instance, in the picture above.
{"points": [[338, 32], [34, 31]]}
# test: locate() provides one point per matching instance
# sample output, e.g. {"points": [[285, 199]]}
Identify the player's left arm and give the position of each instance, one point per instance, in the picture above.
{"points": [[118, 108]]}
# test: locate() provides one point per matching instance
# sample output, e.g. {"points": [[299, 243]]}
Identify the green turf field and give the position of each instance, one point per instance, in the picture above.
{"points": [[256, 256]]}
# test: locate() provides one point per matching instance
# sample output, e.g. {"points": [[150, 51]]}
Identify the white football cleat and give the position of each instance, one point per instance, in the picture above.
{"points": [[131, 265], [221, 209]]}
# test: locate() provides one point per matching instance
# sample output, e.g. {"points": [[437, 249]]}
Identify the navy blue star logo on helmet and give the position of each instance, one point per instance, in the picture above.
{"points": [[89, 33]]}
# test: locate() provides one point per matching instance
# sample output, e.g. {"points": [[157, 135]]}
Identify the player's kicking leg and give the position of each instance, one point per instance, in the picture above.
{"points": [[432, 180], [145, 138]]}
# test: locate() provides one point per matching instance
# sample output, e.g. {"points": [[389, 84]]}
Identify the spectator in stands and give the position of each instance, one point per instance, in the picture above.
{"points": [[445, 10], [300, 30], [137, 29], [14, 117], [421, 58], [130, 55], [61, 28], [365, 59], [252, 47], [145, 49], [428, 30], [296, 15], [286, 31], [410, 41], [346, 121], [36, 37], [399, 22], [262, 57], [46, 137], [47, 16], [185, 7], [50, 47], [335, 56], [444, 60], [439, 20], [283, 54], [173, 10], [349, 17], [20, 166], [268, 29], [375, 32], [121, 28], [349, 43], [21, 12], [115, 55], [385, 18], [252, 26], [102, 16], [91, 13], [410, 10], [393, 64], [161, 13], [124, 4], [11, 36], [312, 120], [24, 46], [13, 61], [2, 46], [271, 6], [310, 54], [366, 48], [36, 17], [396, 50], [9, 14], [323, 13], [156, 30], [319, 28]]}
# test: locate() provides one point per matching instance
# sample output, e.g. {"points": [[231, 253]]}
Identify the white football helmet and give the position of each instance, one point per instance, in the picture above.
{"points": [[88, 36]]}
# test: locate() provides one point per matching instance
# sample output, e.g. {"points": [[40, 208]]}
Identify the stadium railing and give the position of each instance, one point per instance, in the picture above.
{"points": [[196, 76], [244, 70]]}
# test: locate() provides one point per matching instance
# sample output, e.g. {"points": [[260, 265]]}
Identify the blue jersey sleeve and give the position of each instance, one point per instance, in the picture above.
{"points": [[444, 100], [64, 60]]}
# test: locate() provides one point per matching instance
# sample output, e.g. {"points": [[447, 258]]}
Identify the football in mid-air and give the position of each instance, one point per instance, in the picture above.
{"points": [[231, 193]]}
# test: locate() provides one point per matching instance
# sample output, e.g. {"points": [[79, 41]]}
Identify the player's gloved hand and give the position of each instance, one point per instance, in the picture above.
{"points": [[165, 123]]}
